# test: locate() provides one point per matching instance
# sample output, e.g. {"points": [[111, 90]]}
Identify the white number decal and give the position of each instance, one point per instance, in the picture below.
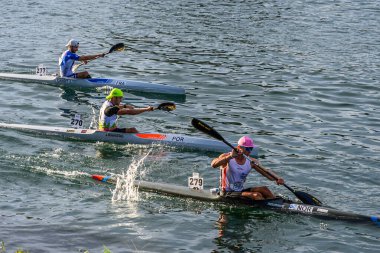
{"points": [[195, 182], [41, 70], [76, 122]]}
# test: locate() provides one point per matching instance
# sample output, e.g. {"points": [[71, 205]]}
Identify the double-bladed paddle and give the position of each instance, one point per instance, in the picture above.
{"points": [[303, 196], [166, 107], [117, 47]]}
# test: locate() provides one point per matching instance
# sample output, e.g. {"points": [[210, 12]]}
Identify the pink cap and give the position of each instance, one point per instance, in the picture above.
{"points": [[245, 141]]}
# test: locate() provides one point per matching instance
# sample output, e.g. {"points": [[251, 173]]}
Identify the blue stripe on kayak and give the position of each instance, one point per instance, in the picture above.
{"points": [[376, 220], [99, 80], [105, 178]]}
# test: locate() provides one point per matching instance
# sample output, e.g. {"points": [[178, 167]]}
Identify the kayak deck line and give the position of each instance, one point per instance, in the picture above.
{"points": [[168, 139], [278, 204], [125, 84]]}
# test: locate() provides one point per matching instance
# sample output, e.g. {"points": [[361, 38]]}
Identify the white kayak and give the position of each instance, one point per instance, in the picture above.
{"points": [[127, 85], [278, 204], [174, 140]]}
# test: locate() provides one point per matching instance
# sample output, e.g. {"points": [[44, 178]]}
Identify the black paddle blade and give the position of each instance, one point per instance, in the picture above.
{"points": [[203, 127], [307, 198], [167, 107], [117, 47]]}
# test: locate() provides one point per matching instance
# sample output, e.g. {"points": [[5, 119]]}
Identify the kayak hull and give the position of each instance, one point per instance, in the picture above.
{"points": [[278, 204], [173, 140], [127, 85]]}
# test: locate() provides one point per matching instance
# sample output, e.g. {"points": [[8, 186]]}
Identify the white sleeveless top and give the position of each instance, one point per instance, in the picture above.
{"points": [[107, 123], [234, 176]]}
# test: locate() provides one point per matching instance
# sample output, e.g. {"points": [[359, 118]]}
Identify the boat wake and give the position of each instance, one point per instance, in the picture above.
{"points": [[61, 173], [125, 188]]}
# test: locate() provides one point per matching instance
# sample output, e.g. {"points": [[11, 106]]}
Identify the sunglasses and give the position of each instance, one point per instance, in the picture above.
{"points": [[249, 149]]}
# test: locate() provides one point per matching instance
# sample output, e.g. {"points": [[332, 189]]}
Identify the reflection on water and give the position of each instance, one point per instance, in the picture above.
{"points": [[162, 97], [237, 225]]}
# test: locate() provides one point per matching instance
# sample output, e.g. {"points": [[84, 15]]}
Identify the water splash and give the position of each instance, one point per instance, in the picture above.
{"points": [[94, 121], [125, 188]]}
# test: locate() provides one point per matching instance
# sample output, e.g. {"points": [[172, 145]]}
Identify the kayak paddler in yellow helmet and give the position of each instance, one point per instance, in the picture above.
{"points": [[112, 109]]}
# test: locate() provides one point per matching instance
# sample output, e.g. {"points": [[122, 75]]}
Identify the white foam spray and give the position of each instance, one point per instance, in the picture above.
{"points": [[125, 188], [94, 121], [66, 174]]}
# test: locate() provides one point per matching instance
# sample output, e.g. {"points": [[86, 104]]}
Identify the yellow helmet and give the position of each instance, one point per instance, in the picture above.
{"points": [[115, 92]]}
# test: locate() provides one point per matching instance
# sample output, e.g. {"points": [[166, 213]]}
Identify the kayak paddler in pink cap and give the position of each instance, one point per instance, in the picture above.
{"points": [[235, 168]]}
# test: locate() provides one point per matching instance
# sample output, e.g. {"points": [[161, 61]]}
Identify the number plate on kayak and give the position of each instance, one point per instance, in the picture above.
{"points": [[41, 70], [76, 121], [195, 182]]}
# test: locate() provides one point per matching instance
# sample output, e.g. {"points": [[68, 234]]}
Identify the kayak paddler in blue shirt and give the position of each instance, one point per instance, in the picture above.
{"points": [[235, 168], [112, 109], [68, 58]]}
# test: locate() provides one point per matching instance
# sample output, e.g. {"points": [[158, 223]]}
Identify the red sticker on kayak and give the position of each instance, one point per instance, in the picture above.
{"points": [[152, 136]]}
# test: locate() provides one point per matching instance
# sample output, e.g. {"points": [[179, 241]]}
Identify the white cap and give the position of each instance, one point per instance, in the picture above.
{"points": [[73, 43]]}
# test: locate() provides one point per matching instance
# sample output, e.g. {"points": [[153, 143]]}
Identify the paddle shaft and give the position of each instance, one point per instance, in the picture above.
{"points": [[75, 67], [166, 106], [116, 47]]}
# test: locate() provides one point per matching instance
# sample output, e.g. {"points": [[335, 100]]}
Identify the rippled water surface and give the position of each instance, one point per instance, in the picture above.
{"points": [[300, 77]]}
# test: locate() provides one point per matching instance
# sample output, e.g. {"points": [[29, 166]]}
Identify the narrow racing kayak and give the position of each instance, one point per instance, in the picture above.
{"points": [[175, 140], [278, 204], [127, 85]]}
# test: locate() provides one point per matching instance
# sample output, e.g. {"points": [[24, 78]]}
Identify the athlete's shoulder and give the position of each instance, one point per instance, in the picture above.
{"points": [[107, 103], [224, 155], [70, 55]]}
